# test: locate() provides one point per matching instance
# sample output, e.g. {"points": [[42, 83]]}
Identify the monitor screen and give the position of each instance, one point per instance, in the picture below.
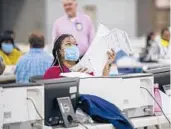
{"points": [[57, 88]]}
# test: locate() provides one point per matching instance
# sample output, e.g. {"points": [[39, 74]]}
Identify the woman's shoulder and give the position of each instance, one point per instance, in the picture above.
{"points": [[52, 72], [17, 51], [54, 68]]}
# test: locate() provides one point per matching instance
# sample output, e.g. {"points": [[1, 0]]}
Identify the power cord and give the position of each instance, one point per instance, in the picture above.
{"points": [[157, 104], [31, 100], [34, 105], [80, 124]]}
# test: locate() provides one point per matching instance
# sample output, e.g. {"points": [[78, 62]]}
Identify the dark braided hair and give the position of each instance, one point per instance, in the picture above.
{"points": [[57, 48]]}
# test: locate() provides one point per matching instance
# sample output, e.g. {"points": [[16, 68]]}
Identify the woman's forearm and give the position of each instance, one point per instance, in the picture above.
{"points": [[106, 70]]}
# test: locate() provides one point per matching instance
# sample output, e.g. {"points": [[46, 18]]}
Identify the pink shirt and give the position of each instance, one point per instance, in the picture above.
{"points": [[81, 28]]}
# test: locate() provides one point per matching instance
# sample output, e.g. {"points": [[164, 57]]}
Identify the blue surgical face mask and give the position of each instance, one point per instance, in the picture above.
{"points": [[7, 47], [72, 53]]}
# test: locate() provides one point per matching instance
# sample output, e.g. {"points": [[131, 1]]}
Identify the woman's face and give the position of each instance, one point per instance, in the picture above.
{"points": [[67, 42]]}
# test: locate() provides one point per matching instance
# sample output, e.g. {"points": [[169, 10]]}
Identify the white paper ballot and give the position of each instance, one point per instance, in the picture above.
{"points": [[96, 56], [75, 74], [120, 40], [85, 62]]}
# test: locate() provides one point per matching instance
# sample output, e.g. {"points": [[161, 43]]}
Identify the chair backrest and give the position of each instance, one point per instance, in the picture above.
{"points": [[161, 76], [33, 79]]}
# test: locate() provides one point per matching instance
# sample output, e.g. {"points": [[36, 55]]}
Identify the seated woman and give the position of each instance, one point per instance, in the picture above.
{"points": [[8, 52], [66, 55], [152, 52]]}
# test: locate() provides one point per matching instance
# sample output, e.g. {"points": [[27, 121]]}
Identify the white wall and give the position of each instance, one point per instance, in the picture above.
{"points": [[53, 11], [24, 16], [119, 14], [31, 18]]}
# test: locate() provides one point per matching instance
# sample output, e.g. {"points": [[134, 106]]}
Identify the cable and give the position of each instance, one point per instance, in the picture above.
{"points": [[80, 124], [83, 125], [46, 121], [157, 104], [34, 105]]}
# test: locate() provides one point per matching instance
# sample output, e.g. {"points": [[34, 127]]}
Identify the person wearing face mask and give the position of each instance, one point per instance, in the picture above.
{"points": [[12, 33], [8, 52], [66, 55]]}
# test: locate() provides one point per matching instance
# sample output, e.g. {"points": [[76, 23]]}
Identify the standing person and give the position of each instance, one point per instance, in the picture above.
{"points": [[165, 43], [35, 62], [75, 23]]}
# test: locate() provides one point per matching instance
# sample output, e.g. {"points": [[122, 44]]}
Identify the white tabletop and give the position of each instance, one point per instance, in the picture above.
{"points": [[137, 122], [149, 121], [4, 78], [89, 126]]}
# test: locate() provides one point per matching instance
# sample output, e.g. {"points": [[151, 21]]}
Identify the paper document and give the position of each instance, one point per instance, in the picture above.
{"points": [[120, 41], [75, 74], [85, 62], [96, 56]]}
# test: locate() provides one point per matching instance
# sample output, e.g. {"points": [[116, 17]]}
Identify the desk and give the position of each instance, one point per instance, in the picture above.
{"points": [[159, 64], [7, 79], [137, 122], [128, 63], [155, 65], [90, 126], [9, 70], [149, 121]]}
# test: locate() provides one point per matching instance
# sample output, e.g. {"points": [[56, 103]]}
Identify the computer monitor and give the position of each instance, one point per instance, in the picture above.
{"points": [[54, 89], [161, 76]]}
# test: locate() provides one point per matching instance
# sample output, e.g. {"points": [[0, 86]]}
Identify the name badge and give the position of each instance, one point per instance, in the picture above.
{"points": [[79, 26]]}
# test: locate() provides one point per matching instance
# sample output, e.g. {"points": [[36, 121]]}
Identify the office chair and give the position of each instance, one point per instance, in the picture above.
{"points": [[33, 79]]}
